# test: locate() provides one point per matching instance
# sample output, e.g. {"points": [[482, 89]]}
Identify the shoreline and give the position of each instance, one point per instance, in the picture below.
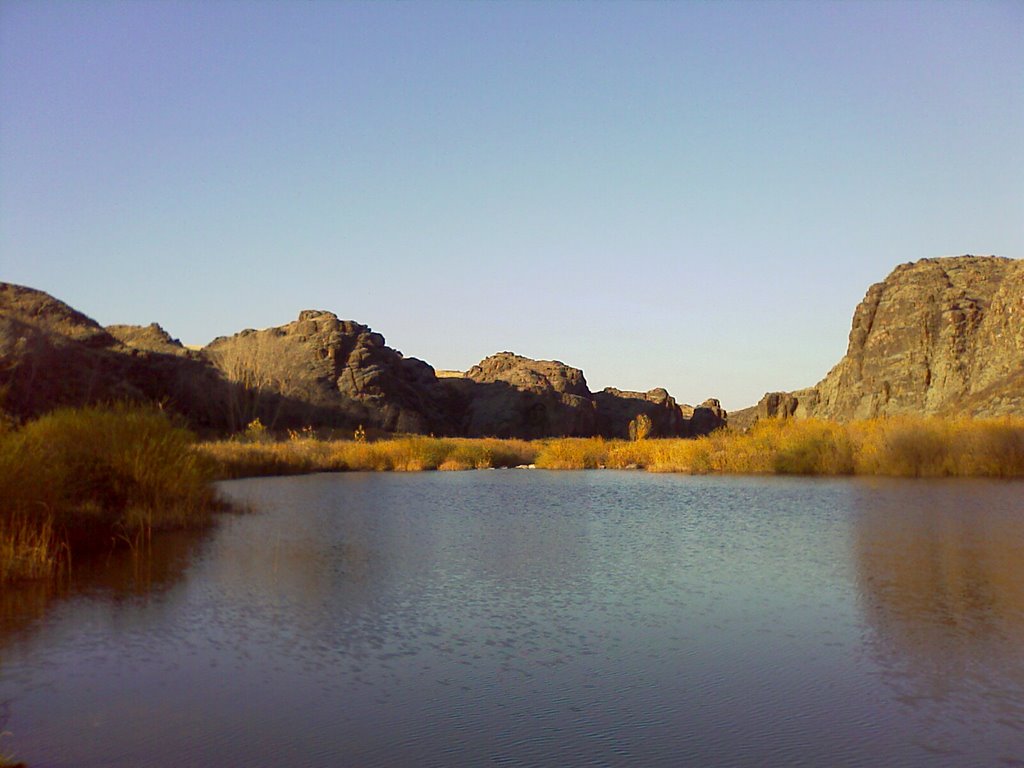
{"points": [[78, 480]]}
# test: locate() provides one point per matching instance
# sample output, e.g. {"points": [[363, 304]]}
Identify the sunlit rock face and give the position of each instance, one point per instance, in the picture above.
{"points": [[149, 338], [936, 337]]}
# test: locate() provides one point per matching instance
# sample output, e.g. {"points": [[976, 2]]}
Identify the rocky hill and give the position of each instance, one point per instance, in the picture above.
{"points": [[938, 337], [317, 370], [52, 355], [339, 368]]}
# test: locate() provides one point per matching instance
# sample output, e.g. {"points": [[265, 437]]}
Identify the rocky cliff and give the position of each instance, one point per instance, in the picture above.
{"points": [[317, 370], [617, 408], [508, 395], [937, 337], [341, 370]]}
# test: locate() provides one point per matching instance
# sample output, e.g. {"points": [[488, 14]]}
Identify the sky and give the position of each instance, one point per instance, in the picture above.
{"points": [[692, 195]]}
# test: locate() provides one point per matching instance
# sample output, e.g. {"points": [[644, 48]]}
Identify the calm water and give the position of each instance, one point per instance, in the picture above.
{"points": [[533, 618]]}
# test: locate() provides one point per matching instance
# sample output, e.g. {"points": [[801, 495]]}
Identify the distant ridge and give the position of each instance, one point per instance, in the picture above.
{"points": [[317, 370], [938, 336]]}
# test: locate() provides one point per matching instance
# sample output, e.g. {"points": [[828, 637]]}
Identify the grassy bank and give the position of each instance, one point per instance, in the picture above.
{"points": [[895, 447], [901, 447], [77, 479], [239, 458]]}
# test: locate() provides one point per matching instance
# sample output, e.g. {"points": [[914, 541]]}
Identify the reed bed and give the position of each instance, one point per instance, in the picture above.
{"points": [[902, 447], [897, 447], [77, 479], [239, 458]]}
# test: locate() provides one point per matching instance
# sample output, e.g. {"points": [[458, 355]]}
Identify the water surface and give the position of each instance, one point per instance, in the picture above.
{"points": [[524, 618]]}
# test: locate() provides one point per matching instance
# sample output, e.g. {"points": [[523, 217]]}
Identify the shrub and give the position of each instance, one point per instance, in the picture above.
{"points": [[255, 432], [640, 427], [78, 477]]}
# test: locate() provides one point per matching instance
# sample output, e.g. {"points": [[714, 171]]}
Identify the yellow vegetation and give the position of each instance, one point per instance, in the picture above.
{"points": [[900, 447], [232, 458], [80, 477], [911, 447], [907, 447]]}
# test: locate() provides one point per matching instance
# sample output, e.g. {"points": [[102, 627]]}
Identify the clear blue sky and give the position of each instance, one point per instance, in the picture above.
{"points": [[688, 195]]}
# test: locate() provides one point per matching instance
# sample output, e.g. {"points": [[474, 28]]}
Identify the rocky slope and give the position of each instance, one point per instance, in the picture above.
{"points": [[508, 395], [937, 337], [341, 369], [317, 370], [52, 355]]}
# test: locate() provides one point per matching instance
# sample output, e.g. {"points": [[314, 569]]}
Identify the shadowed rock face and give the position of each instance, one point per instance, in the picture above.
{"points": [[36, 310], [617, 408], [507, 395], [936, 337], [705, 418], [318, 370], [52, 356], [339, 366]]}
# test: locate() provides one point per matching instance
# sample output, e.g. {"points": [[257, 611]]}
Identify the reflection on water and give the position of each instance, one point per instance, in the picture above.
{"points": [[941, 572], [528, 618], [116, 575]]}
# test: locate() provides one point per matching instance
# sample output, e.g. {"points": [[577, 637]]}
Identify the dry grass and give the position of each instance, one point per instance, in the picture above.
{"points": [[905, 447], [573, 453], [897, 447], [78, 478], [232, 458], [913, 447], [29, 549]]}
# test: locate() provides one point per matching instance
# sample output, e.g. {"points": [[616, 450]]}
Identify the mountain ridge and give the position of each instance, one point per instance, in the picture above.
{"points": [[941, 336], [316, 370]]}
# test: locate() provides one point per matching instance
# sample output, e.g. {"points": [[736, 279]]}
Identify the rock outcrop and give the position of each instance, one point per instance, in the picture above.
{"points": [[705, 418], [507, 395], [617, 408], [52, 355], [936, 337], [149, 338], [341, 370], [317, 370]]}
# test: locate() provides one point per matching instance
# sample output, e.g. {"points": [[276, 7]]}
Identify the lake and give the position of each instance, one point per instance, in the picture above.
{"points": [[539, 618]]}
